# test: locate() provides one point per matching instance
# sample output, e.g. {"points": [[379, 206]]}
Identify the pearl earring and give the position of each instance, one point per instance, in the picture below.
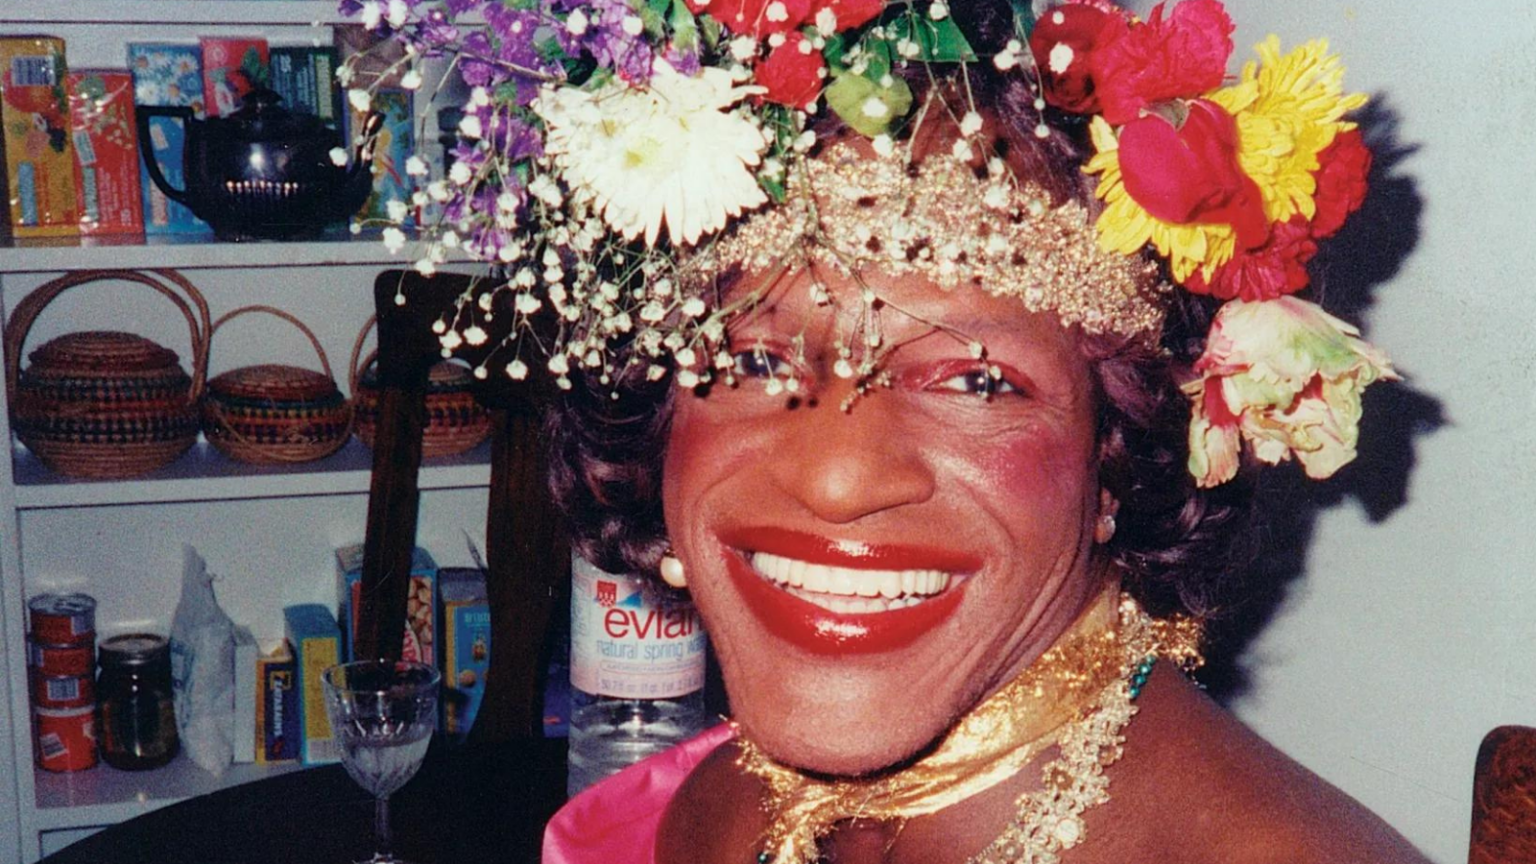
{"points": [[1104, 531], [672, 572]]}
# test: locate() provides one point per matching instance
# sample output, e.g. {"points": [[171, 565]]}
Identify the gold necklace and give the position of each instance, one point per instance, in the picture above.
{"points": [[1078, 696]]}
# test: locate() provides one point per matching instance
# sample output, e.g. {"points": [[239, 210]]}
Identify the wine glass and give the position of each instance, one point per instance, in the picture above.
{"points": [[383, 713]]}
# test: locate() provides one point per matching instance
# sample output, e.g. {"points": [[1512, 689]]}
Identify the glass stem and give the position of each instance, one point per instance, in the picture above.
{"points": [[381, 829]]}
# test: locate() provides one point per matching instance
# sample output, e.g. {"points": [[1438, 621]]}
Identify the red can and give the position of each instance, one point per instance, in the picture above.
{"points": [[60, 692], [65, 738], [62, 660], [63, 619]]}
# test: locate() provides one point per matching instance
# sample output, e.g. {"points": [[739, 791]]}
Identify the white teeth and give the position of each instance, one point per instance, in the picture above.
{"points": [[844, 589]]}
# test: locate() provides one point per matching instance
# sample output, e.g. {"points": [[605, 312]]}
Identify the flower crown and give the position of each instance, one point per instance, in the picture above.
{"points": [[616, 156]]}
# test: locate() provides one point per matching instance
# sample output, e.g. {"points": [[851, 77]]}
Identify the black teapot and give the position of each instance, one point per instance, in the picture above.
{"points": [[264, 171]]}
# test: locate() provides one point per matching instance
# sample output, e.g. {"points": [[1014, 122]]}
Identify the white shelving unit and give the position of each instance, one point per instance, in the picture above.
{"points": [[268, 531]]}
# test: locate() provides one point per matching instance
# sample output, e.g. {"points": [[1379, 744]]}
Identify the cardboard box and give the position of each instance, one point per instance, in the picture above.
{"points": [[39, 178], [376, 55], [306, 79], [167, 74], [316, 642], [466, 644], [106, 152], [277, 704], [395, 144], [232, 67], [246, 693], [420, 608]]}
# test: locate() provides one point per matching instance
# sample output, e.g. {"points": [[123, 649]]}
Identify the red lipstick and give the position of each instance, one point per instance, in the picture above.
{"points": [[822, 631]]}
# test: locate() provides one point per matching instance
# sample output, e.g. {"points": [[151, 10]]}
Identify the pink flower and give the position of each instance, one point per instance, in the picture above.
{"points": [[1064, 42], [756, 18], [792, 77], [1277, 268], [1286, 377], [1178, 58], [1341, 175], [1184, 169]]}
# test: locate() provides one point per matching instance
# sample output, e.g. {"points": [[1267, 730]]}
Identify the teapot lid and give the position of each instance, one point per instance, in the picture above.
{"points": [[262, 117]]}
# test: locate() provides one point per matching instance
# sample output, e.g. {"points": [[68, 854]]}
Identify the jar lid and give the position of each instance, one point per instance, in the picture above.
{"points": [[134, 649]]}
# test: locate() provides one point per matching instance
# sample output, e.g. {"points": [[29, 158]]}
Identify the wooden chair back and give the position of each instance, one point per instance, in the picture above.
{"points": [[1504, 798]]}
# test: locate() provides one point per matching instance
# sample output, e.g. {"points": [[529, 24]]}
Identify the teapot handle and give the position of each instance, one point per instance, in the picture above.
{"points": [[142, 115]]}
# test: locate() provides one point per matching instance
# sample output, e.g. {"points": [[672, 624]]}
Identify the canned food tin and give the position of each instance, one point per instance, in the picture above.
{"points": [[65, 738], [63, 619], [62, 660], [63, 691]]}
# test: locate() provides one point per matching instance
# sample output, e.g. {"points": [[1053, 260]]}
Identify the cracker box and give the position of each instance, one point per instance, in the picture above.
{"points": [[306, 79], [277, 703], [167, 74], [466, 645], [316, 642], [39, 176], [106, 152], [232, 67], [395, 144], [420, 603]]}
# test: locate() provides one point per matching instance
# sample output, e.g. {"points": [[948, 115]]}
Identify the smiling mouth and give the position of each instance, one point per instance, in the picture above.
{"points": [[851, 591]]}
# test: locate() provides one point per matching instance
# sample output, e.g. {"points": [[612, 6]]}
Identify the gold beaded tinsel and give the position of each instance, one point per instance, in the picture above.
{"points": [[1077, 696], [956, 225]]}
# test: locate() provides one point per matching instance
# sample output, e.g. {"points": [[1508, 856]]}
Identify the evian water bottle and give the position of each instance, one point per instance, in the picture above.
{"points": [[637, 672]]}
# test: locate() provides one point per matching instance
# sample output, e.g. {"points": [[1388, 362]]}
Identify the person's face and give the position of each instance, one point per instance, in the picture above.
{"points": [[969, 519]]}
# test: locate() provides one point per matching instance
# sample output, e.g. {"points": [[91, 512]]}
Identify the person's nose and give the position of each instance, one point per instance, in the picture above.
{"points": [[846, 465]]}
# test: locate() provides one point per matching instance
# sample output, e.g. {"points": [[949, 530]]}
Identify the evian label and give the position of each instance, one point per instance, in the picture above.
{"points": [[629, 640]]}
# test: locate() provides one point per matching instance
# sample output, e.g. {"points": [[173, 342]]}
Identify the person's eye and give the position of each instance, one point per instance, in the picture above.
{"points": [[977, 382], [759, 363]]}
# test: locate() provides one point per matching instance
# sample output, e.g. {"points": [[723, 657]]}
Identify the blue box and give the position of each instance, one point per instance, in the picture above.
{"points": [[167, 75], [466, 645], [316, 642]]}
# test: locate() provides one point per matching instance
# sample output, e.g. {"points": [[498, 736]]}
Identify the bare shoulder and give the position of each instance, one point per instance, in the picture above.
{"points": [[1226, 795], [714, 816]]}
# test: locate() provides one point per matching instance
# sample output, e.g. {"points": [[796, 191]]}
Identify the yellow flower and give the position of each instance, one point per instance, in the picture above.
{"points": [[1125, 226], [1288, 110]]}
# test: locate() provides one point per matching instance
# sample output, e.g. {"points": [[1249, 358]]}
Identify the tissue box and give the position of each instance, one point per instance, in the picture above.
{"points": [[106, 152], [277, 704], [34, 135], [165, 75], [306, 79], [466, 645], [420, 603], [316, 646]]}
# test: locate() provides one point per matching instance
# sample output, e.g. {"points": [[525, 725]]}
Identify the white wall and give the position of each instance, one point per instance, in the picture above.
{"points": [[1407, 635]]}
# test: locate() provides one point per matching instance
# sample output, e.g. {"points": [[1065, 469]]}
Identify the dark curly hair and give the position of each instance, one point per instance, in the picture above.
{"points": [[1178, 547]]}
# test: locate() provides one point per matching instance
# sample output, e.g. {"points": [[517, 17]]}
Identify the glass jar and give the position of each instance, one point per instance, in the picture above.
{"points": [[136, 716]]}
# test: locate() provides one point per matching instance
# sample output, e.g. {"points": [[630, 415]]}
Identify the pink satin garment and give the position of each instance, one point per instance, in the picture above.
{"points": [[616, 820]]}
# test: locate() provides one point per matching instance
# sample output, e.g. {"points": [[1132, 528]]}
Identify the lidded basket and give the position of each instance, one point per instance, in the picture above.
{"points": [[275, 412], [454, 421], [106, 404]]}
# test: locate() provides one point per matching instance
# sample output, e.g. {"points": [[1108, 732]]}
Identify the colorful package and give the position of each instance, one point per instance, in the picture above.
{"points": [[306, 79], [466, 645], [232, 67], [163, 75], [420, 603], [316, 642], [277, 704], [106, 152], [380, 60], [395, 144], [34, 133]]}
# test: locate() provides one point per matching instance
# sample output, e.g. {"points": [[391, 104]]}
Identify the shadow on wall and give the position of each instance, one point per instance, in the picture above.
{"points": [[1366, 254]]}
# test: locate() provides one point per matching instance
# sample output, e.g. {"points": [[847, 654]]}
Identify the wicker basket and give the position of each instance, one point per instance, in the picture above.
{"points": [[455, 419], [105, 404], [274, 412]]}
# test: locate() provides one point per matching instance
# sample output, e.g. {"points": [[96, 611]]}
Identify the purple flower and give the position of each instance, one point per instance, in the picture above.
{"points": [[685, 62], [614, 48], [434, 32], [508, 135], [459, 7]]}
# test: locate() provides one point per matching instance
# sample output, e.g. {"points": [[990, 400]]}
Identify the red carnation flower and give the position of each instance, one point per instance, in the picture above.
{"points": [[850, 13], [1341, 185], [793, 77], [1189, 173], [1275, 269], [1063, 43], [1180, 57], [756, 18]]}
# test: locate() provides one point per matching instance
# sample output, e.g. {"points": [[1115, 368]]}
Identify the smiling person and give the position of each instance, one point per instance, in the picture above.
{"points": [[934, 349]]}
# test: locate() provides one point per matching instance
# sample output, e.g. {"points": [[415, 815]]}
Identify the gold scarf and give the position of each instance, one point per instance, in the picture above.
{"points": [[1088, 664]]}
